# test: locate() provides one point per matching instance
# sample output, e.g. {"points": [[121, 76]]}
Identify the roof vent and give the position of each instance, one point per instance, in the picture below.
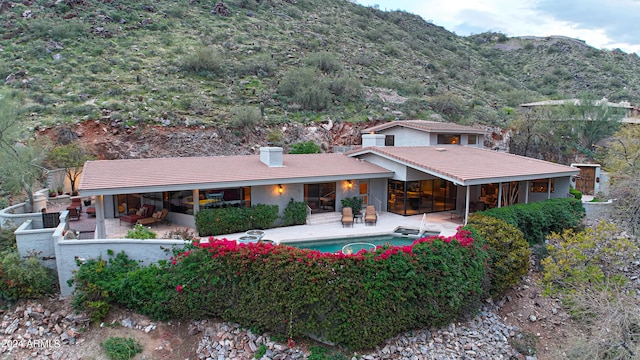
{"points": [[441, 149]]}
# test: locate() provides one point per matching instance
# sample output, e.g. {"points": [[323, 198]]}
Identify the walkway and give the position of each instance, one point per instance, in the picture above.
{"points": [[387, 223]]}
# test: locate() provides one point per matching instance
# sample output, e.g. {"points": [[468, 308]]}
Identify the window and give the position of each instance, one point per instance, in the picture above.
{"points": [[472, 139], [448, 139], [181, 201], [541, 185], [389, 140]]}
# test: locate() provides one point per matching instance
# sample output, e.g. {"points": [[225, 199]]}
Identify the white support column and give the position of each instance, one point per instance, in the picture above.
{"points": [[196, 201], [500, 195], [526, 192], [548, 188], [466, 205], [101, 232]]}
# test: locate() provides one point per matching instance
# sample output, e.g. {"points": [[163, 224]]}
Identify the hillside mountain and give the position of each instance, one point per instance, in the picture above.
{"points": [[247, 62]]}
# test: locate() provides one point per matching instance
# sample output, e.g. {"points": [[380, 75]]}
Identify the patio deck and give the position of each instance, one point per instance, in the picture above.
{"points": [[317, 230]]}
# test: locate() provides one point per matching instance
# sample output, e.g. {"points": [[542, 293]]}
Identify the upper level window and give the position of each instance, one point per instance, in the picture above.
{"points": [[448, 139], [472, 139], [389, 140]]}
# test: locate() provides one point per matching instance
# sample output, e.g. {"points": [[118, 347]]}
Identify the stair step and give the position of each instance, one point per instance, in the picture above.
{"points": [[324, 218]]}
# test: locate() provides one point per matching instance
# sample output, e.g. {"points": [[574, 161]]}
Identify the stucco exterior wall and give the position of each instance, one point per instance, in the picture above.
{"points": [[32, 241], [268, 194], [146, 251], [594, 212], [15, 215], [400, 171]]}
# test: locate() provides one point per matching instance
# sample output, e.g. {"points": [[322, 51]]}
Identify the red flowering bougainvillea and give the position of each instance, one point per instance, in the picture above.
{"points": [[355, 300]]}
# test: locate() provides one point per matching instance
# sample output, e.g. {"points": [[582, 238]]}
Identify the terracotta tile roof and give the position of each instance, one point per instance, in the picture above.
{"points": [[112, 176], [427, 126], [469, 165]]}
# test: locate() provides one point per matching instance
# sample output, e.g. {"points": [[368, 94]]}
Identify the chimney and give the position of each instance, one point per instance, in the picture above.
{"points": [[271, 156], [372, 140]]}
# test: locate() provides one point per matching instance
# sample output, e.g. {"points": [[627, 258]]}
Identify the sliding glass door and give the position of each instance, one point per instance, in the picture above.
{"points": [[320, 197]]}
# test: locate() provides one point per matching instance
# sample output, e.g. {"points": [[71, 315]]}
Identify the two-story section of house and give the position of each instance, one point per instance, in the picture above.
{"points": [[442, 166]]}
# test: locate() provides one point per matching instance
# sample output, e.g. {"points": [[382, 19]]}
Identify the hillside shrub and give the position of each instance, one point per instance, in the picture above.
{"points": [[7, 239], [589, 258], [204, 60], [96, 283], [245, 116], [357, 300], [307, 147], [307, 88], [508, 249], [295, 213], [327, 62], [24, 278], [538, 219], [235, 219], [119, 348]]}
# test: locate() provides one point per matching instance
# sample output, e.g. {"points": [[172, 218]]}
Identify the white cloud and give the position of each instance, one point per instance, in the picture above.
{"points": [[608, 25]]}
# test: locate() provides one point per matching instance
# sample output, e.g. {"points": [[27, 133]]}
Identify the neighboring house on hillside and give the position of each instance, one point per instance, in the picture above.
{"points": [[626, 112], [404, 167]]}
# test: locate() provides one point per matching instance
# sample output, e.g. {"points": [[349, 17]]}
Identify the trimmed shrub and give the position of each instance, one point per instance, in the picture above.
{"points": [[576, 193], [538, 219], [508, 249], [24, 278], [235, 219], [355, 203], [295, 213], [356, 301], [140, 232]]}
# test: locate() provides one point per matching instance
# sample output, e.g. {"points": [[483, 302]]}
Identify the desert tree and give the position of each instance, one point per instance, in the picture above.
{"points": [[21, 156], [621, 158], [71, 158]]}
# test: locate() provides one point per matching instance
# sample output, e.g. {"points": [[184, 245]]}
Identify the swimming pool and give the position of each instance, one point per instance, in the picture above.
{"points": [[336, 245]]}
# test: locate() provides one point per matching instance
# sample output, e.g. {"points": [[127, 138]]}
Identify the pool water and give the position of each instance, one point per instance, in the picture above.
{"points": [[336, 245]]}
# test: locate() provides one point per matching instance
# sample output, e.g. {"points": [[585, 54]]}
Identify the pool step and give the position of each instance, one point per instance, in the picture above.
{"points": [[324, 218]]}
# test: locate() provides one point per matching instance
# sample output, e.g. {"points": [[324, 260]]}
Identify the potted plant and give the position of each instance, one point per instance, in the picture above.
{"points": [[355, 203], [87, 202], [59, 190], [52, 193]]}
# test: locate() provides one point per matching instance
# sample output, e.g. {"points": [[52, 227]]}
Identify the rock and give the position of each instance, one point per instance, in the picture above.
{"points": [[12, 327], [127, 322]]}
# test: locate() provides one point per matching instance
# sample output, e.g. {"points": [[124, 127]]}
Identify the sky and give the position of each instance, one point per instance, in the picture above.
{"points": [[608, 24]]}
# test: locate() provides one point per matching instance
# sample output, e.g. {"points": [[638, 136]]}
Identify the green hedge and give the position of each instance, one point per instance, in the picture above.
{"points": [[508, 249], [538, 219], [235, 219], [357, 301], [295, 213]]}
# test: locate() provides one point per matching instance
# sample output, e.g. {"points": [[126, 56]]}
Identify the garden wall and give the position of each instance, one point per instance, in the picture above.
{"points": [[14, 216], [596, 211], [67, 251]]}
